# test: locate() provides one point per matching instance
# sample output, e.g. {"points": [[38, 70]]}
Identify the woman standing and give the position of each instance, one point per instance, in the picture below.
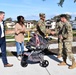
{"points": [[19, 36]]}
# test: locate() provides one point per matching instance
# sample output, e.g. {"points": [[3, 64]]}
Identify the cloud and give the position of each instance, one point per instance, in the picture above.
{"points": [[68, 13], [73, 14], [48, 16]]}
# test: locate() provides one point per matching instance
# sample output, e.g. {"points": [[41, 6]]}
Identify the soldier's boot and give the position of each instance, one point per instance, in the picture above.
{"points": [[59, 56], [62, 63], [73, 65]]}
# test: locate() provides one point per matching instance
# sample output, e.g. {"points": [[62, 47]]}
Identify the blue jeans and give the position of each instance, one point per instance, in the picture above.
{"points": [[20, 48], [3, 50]]}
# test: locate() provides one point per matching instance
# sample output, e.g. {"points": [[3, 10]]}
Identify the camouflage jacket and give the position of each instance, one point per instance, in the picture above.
{"points": [[58, 28], [67, 32], [41, 28]]}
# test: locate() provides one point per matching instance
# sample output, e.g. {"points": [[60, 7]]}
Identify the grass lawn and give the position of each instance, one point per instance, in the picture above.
{"points": [[9, 53], [13, 42]]}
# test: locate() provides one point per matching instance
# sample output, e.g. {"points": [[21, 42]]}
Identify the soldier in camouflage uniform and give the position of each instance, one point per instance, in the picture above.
{"points": [[58, 30], [41, 27], [67, 38]]}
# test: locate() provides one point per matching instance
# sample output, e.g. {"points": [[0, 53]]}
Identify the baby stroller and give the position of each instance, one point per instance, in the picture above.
{"points": [[35, 46]]}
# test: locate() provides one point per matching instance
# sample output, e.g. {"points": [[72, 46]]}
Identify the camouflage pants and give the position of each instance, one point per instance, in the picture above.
{"points": [[60, 47], [67, 51]]}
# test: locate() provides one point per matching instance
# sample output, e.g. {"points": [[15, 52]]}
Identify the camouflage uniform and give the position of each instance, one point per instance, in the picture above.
{"points": [[67, 42], [41, 28], [58, 30]]}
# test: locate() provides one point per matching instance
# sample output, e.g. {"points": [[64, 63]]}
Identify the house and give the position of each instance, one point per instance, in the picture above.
{"points": [[29, 24], [50, 24], [10, 24]]}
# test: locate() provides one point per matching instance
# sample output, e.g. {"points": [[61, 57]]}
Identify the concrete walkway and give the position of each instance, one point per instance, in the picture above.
{"points": [[36, 69]]}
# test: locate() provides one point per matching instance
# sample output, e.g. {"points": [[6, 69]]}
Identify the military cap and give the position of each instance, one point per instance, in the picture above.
{"points": [[42, 14]]}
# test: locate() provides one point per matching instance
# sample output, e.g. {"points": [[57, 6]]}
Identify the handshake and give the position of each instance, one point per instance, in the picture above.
{"points": [[52, 32]]}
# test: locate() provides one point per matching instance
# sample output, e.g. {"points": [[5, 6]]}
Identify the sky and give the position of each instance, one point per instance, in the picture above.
{"points": [[30, 9]]}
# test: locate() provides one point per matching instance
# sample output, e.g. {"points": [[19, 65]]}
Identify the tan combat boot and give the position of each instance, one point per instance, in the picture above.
{"points": [[62, 63], [72, 66]]}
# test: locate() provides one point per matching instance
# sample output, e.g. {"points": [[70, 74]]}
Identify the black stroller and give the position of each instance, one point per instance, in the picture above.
{"points": [[35, 53]]}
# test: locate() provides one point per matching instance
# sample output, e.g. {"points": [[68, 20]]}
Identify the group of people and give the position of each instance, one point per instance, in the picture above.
{"points": [[65, 37], [63, 29], [20, 29]]}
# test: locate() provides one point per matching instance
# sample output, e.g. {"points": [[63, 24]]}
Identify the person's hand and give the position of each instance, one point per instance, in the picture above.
{"points": [[52, 32], [60, 36], [34, 29]]}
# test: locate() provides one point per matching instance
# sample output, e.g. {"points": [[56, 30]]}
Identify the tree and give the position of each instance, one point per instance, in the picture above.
{"points": [[9, 19], [34, 21], [61, 2], [58, 17]]}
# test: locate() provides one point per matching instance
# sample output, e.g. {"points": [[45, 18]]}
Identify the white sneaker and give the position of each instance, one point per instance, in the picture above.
{"points": [[19, 58]]}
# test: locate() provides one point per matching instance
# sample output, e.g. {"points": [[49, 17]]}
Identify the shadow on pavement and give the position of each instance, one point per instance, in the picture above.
{"points": [[54, 58], [48, 52], [14, 53]]}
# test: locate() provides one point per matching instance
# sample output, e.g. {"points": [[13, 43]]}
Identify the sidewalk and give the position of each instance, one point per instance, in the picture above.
{"points": [[36, 69]]}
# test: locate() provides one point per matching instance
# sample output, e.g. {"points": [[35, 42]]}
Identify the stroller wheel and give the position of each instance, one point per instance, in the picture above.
{"points": [[44, 63], [24, 63]]}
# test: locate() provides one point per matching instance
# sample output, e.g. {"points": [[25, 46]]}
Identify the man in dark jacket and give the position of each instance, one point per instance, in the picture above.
{"points": [[2, 41]]}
